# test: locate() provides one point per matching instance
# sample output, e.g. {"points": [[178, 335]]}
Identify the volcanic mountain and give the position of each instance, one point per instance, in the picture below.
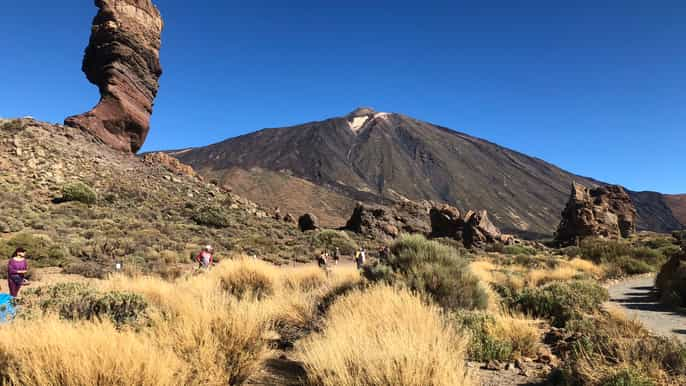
{"points": [[326, 166]]}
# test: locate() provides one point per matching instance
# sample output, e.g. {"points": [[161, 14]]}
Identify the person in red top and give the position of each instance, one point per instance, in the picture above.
{"points": [[205, 258]]}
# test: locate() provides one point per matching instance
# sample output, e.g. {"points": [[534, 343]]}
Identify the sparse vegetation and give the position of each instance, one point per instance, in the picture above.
{"points": [[432, 268], [561, 302]]}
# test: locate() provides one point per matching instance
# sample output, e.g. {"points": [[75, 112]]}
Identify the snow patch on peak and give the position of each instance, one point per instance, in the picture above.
{"points": [[356, 123]]}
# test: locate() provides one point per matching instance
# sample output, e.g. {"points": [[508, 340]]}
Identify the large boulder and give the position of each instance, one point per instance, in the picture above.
{"points": [[122, 59], [382, 222], [446, 222], [308, 222], [479, 230], [605, 211]]}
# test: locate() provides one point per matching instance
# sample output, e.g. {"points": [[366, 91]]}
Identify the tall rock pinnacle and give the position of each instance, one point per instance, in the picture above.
{"points": [[122, 59]]}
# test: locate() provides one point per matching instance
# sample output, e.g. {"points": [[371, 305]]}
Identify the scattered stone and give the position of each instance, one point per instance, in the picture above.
{"points": [[122, 59], [289, 218]]}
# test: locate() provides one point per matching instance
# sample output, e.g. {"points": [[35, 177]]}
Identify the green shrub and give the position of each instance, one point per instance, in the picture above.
{"points": [[212, 217], [626, 378], [79, 192], [331, 239], [482, 346], [671, 282], [431, 268], [561, 301], [518, 250], [40, 249], [623, 258], [75, 301]]}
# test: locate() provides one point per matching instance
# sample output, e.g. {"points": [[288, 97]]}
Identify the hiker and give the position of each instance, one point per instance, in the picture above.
{"points": [[384, 253], [205, 258], [16, 271], [322, 261], [360, 258], [336, 255]]}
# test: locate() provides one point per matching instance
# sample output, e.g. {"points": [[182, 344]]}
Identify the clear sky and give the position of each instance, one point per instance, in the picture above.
{"points": [[597, 87]]}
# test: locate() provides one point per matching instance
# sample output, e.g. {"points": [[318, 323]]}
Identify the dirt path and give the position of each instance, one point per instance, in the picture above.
{"points": [[637, 298]]}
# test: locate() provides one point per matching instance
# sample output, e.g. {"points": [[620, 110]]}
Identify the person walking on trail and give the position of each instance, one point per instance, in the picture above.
{"points": [[322, 260], [205, 258], [360, 258], [16, 271], [336, 256]]}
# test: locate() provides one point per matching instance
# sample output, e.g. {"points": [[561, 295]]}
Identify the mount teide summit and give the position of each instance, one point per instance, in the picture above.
{"points": [[326, 166]]}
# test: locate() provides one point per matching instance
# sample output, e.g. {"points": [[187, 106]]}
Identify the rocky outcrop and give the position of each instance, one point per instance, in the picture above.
{"points": [[170, 163], [122, 59], [308, 222], [479, 230], [446, 222], [606, 211], [381, 223], [474, 229]]}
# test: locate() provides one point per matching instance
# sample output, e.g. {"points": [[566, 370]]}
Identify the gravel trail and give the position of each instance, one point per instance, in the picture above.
{"points": [[636, 296]]}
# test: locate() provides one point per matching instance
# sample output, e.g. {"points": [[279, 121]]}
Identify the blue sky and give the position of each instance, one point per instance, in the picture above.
{"points": [[595, 87]]}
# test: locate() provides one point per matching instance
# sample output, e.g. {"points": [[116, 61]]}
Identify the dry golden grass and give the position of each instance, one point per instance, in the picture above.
{"points": [[539, 277], [53, 352], [521, 332], [384, 336], [208, 329], [587, 267]]}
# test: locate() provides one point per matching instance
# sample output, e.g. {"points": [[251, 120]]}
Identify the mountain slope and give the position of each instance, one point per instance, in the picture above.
{"points": [[145, 214], [376, 157]]}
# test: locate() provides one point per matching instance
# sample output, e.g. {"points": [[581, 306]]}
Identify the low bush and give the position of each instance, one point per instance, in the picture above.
{"points": [[79, 192], [212, 217], [626, 377], [384, 336], [329, 240], [611, 350], [483, 346], [432, 268], [519, 250], [74, 301], [560, 302], [244, 278], [624, 258]]}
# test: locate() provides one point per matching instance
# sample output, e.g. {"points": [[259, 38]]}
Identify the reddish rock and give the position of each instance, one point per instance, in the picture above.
{"points": [[122, 59], [479, 230], [606, 211], [289, 218]]}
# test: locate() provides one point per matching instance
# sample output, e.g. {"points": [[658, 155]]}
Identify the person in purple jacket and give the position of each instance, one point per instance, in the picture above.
{"points": [[16, 270]]}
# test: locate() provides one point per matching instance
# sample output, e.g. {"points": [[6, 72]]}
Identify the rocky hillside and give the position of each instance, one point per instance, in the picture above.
{"points": [[74, 202], [378, 157]]}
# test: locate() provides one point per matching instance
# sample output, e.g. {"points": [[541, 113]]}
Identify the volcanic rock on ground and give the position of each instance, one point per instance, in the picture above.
{"points": [[308, 222], [606, 211], [122, 59], [381, 222]]}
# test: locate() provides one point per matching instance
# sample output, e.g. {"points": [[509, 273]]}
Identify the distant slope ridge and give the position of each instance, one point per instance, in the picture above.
{"points": [[376, 157]]}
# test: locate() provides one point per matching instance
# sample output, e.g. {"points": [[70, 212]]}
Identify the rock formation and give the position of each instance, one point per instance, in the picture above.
{"points": [[170, 163], [446, 222], [308, 222], [606, 211], [388, 222], [474, 229], [122, 59]]}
